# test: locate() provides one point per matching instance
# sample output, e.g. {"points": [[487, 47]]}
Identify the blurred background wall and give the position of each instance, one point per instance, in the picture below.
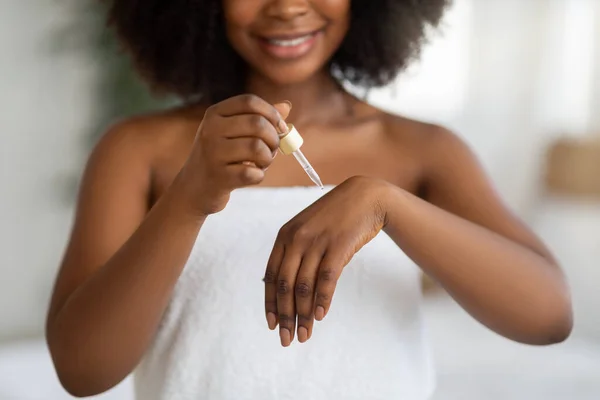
{"points": [[61, 82], [45, 108], [510, 76]]}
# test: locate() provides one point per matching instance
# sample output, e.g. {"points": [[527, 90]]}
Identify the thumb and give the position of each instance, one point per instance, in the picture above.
{"points": [[284, 108]]}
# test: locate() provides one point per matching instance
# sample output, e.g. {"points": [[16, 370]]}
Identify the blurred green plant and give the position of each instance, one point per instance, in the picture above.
{"points": [[119, 91]]}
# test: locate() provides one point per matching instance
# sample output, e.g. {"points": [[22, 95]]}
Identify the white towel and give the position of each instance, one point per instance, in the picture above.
{"points": [[214, 343]]}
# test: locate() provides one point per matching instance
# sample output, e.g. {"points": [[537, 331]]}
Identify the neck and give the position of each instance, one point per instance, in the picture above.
{"points": [[319, 99]]}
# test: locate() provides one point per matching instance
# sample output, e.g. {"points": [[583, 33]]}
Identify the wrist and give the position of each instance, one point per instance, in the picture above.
{"points": [[190, 196], [392, 200]]}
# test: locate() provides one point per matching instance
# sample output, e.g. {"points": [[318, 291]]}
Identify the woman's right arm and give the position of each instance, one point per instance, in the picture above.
{"points": [[122, 261], [119, 268]]}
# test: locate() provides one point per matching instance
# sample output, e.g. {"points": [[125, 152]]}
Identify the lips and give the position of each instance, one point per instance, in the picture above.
{"points": [[290, 42], [289, 46]]}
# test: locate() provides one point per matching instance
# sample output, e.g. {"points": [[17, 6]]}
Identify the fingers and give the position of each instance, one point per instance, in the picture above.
{"points": [[251, 104], [330, 269], [306, 282], [284, 109], [300, 279], [286, 308], [252, 125], [241, 175], [270, 280], [247, 149]]}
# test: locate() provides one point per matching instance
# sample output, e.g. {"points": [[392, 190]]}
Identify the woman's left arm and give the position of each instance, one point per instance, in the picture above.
{"points": [[465, 238], [460, 234]]}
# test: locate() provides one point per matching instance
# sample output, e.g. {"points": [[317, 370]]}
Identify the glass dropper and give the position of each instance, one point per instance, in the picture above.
{"points": [[290, 143]]}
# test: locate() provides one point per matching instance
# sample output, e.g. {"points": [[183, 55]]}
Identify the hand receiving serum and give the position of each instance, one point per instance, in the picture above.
{"points": [[290, 143]]}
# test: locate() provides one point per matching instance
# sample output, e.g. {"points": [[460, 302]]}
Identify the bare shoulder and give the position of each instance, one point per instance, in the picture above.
{"points": [[435, 146], [403, 130], [454, 180], [426, 137], [143, 138], [426, 147]]}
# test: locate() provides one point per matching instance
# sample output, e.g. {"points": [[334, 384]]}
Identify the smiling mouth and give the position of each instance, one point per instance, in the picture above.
{"points": [[290, 42], [291, 39], [290, 46]]}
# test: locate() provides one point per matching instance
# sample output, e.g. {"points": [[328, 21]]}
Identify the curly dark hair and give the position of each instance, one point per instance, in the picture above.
{"points": [[192, 58]]}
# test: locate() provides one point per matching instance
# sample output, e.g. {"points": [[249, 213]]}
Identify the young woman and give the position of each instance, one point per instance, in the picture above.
{"points": [[183, 214]]}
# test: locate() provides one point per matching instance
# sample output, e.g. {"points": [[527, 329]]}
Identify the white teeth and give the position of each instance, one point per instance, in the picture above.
{"points": [[290, 42]]}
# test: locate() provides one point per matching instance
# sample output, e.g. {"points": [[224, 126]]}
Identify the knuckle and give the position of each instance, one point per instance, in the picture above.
{"points": [[304, 320], [264, 158], [327, 274], [257, 122], [283, 232], [286, 320], [247, 175], [256, 146], [270, 277], [270, 136], [303, 290], [283, 287], [302, 234], [252, 100], [264, 161], [323, 297]]}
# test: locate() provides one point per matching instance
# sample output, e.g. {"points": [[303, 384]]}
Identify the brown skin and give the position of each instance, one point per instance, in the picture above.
{"points": [[252, 19], [151, 182]]}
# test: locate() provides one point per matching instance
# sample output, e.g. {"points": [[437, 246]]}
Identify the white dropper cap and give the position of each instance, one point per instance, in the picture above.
{"points": [[290, 143]]}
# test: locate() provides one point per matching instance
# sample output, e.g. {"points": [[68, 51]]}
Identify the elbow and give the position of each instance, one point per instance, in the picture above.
{"points": [[80, 383], [80, 389], [76, 384], [555, 325], [78, 378], [554, 315], [558, 329]]}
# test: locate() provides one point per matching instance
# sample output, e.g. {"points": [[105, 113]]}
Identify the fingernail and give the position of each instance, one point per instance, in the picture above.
{"points": [[320, 313], [271, 320], [302, 334], [286, 337], [289, 103], [275, 153], [283, 128]]}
